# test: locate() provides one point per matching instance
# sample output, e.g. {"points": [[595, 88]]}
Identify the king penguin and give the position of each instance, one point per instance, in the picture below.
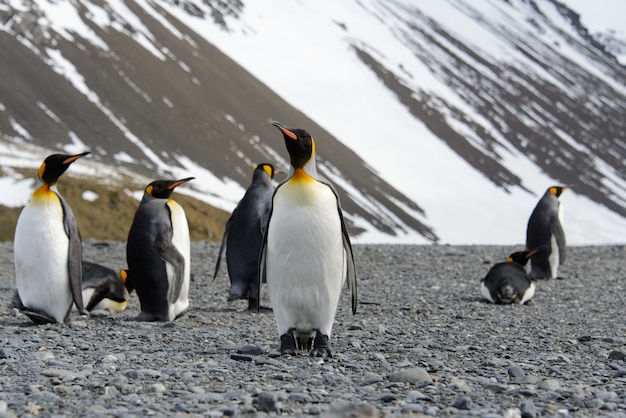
{"points": [[104, 288], [243, 237], [158, 253], [48, 249], [306, 255], [508, 282], [545, 231]]}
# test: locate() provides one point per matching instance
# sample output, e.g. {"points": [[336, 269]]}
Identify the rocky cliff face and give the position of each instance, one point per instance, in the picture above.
{"points": [[143, 87]]}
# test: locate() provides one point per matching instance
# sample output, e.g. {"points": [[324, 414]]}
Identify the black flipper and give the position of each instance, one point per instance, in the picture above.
{"points": [[347, 246], [220, 255], [170, 254], [75, 258]]}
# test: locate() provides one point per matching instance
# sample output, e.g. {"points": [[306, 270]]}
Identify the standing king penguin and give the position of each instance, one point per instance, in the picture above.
{"points": [[306, 254], [48, 249], [545, 231], [243, 237], [508, 282], [158, 252]]}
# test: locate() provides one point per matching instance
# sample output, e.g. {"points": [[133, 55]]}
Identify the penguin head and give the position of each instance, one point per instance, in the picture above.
{"points": [[300, 145], [267, 168], [55, 165], [522, 257], [557, 190], [162, 189]]}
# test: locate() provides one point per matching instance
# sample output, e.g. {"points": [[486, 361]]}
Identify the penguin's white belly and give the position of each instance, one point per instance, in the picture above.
{"points": [[180, 239], [484, 291], [305, 259], [41, 259], [554, 259]]}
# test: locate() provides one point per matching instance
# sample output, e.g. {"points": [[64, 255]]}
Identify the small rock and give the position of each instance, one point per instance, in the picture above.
{"points": [[528, 409], [240, 357], [412, 375], [515, 371], [549, 384], [607, 396], [414, 396], [614, 355], [251, 350], [109, 358], [463, 402], [371, 379], [266, 402], [157, 388]]}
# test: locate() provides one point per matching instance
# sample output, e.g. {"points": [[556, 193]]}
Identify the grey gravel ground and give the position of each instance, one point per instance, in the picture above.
{"points": [[422, 343]]}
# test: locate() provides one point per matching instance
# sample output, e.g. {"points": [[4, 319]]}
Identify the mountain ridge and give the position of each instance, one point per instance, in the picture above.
{"points": [[158, 87]]}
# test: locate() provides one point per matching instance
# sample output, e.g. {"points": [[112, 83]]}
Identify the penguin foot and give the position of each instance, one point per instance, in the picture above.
{"points": [[321, 346], [38, 318], [288, 345], [253, 305]]}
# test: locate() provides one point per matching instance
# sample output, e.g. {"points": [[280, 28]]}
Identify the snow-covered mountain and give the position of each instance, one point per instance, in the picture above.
{"points": [[437, 121]]}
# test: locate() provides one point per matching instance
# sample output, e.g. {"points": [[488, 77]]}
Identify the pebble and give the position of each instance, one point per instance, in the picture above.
{"points": [[422, 342], [413, 375]]}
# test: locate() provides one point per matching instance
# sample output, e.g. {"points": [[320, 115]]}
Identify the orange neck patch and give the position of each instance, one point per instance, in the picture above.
{"points": [[300, 175]]}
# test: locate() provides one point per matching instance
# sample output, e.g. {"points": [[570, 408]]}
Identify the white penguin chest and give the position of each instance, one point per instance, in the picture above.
{"points": [[305, 265], [41, 257]]}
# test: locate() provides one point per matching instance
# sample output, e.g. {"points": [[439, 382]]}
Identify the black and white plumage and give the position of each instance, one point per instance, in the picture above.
{"points": [[243, 237], [158, 253], [508, 282], [306, 255], [545, 231], [48, 249], [104, 288]]}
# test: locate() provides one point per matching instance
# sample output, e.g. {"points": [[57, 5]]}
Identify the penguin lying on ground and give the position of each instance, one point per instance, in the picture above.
{"points": [[306, 254], [48, 249], [508, 282], [545, 230], [158, 252], [243, 237], [104, 288]]}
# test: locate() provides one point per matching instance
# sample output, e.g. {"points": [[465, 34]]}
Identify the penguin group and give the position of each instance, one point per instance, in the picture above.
{"points": [[509, 282], [292, 238]]}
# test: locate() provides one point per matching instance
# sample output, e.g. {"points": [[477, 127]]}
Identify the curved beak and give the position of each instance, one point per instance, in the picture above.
{"points": [[179, 182], [286, 132]]}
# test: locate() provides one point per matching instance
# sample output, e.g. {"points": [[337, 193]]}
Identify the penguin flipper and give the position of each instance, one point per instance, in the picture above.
{"points": [[170, 254], [261, 276], [38, 317], [559, 235], [75, 257], [222, 248], [351, 273]]}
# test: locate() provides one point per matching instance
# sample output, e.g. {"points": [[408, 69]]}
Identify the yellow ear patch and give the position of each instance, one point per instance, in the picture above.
{"points": [[123, 275], [509, 260], [149, 190], [553, 190], [268, 170], [42, 168]]}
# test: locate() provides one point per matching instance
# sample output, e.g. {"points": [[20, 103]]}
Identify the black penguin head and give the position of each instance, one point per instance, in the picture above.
{"points": [[299, 143], [522, 257], [267, 168], [557, 190], [162, 189], [55, 165]]}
